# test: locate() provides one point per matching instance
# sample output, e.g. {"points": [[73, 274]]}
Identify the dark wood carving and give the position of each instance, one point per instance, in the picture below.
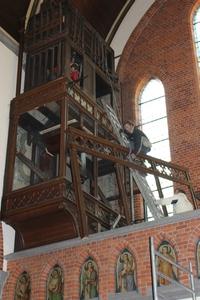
{"points": [[45, 38], [55, 179]]}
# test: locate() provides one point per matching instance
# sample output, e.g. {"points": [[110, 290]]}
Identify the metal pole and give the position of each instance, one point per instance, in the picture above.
{"points": [[153, 269], [192, 281]]}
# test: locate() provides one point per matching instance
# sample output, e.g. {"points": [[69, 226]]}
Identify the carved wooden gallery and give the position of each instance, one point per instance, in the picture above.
{"points": [[67, 172]]}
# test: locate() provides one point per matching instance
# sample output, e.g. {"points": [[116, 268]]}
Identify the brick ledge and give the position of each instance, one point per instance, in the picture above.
{"points": [[189, 216]]}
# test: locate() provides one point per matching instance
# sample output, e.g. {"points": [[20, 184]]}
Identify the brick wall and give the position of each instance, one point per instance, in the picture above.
{"points": [[105, 248], [162, 47]]}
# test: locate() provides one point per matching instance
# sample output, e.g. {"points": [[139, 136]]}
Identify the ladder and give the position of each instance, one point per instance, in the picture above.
{"points": [[147, 194], [138, 176]]}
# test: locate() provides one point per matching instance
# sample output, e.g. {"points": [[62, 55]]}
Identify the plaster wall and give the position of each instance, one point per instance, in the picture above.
{"points": [[8, 72], [129, 23]]}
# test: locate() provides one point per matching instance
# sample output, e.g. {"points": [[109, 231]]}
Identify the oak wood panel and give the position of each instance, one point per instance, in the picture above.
{"points": [[49, 228]]}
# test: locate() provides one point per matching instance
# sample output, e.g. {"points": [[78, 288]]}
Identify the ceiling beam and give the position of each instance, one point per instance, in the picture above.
{"points": [[118, 20]]}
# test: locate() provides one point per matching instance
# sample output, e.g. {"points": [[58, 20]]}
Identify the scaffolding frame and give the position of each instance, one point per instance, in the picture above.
{"points": [[155, 272]]}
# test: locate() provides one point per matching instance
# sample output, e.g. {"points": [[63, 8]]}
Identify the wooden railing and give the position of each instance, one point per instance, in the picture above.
{"points": [[100, 212], [59, 193], [80, 99], [107, 150], [101, 148]]}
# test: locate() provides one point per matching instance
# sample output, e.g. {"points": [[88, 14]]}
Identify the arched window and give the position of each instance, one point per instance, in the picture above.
{"points": [[153, 118], [196, 28], [153, 122]]}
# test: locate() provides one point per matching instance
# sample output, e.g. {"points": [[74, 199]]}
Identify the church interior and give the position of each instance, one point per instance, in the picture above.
{"points": [[90, 209]]}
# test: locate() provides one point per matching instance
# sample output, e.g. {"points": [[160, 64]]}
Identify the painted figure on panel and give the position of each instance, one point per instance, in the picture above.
{"points": [[55, 284], [23, 287], [75, 66], [198, 259], [125, 275], [164, 266], [89, 280]]}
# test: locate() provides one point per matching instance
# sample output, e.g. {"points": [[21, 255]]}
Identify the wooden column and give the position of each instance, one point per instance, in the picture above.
{"points": [[63, 126], [83, 228], [11, 151], [95, 167], [20, 58], [159, 188], [123, 195]]}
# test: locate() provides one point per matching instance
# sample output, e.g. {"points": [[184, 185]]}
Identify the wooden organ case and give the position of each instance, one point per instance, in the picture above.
{"points": [[53, 189], [66, 174]]}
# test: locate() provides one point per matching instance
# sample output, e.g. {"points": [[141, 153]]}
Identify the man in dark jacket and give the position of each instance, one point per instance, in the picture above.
{"points": [[139, 143]]}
